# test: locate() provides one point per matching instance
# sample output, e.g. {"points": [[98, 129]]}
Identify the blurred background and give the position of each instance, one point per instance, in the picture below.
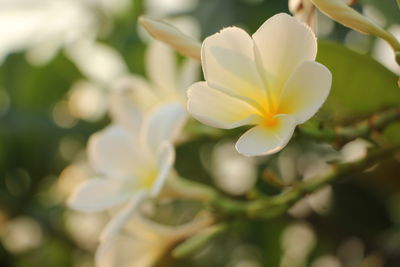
{"points": [[59, 59]]}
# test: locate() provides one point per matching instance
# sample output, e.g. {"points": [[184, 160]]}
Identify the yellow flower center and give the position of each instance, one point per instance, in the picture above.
{"points": [[147, 178], [270, 121]]}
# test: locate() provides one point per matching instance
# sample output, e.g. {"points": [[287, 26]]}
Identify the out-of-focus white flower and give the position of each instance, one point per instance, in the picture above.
{"points": [[44, 25], [351, 252], [132, 164], [102, 66], [98, 62], [21, 234], [354, 150], [70, 177], [141, 242], [326, 261], [269, 80], [384, 54], [132, 96], [85, 228], [304, 11], [113, 7], [162, 8], [245, 255], [296, 255], [87, 101], [233, 173]]}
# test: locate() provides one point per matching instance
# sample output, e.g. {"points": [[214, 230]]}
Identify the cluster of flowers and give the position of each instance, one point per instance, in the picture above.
{"points": [[269, 80]]}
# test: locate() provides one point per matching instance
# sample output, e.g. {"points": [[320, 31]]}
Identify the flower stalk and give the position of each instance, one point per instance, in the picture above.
{"points": [[267, 207], [198, 241], [271, 207], [376, 122]]}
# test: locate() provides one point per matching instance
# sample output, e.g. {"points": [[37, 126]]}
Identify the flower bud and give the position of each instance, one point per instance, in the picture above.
{"points": [[173, 37], [343, 14]]}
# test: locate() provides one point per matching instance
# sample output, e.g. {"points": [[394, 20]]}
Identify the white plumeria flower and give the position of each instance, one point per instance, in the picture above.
{"points": [[355, 150], [132, 165], [167, 82], [233, 173], [269, 80], [141, 242], [24, 25]]}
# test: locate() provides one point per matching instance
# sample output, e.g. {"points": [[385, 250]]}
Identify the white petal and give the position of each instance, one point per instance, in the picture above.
{"points": [[305, 91], [218, 109], [98, 194], [163, 124], [165, 160], [99, 62], [261, 140], [161, 67], [118, 221], [126, 251], [189, 74], [130, 98], [355, 150], [229, 65], [321, 200], [114, 152], [282, 43]]}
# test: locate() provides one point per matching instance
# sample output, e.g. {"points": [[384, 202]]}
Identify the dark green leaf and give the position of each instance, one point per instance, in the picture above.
{"points": [[360, 86]]}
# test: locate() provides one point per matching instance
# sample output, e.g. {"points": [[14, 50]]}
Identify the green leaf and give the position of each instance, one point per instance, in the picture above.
{"points": [[392, 133], [360, 86]]}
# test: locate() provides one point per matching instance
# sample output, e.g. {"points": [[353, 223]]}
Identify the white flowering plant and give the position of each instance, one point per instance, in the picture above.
{"points": [[226, 148]]}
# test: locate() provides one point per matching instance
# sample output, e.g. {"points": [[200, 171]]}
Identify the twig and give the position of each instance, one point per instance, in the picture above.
{"points": [[376, 122], [269, 207]]}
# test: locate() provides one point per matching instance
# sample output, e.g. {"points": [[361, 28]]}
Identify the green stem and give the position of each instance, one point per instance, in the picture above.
{"points": [[363, 128], [198, 241], [391, 40], [269, 207]]}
